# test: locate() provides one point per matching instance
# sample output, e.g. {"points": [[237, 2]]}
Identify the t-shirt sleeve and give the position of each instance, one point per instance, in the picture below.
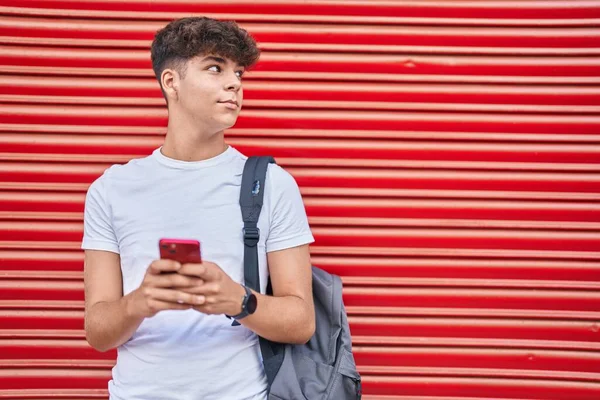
{"points": [[98, 233], [289, 223]]}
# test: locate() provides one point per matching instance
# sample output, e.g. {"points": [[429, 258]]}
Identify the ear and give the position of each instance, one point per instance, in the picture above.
{"points": [[170, 80]]}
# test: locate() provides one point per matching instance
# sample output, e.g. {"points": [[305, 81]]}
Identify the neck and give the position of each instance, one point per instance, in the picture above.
{"points": [[187, 142]]}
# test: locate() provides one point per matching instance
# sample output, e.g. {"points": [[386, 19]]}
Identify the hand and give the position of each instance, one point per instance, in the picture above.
{"points": [[161, 290], [218, 293]]}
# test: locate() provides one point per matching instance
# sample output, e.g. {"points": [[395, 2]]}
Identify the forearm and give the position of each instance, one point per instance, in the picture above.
{"points": [[286, 319], [108, 324]]}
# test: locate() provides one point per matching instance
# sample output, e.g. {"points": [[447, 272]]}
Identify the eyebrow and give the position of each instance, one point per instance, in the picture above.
{"points": [[215, 59], [219, 60]]}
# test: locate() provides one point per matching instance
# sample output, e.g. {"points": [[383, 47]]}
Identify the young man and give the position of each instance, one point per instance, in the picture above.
{"points": [[168, 320]]}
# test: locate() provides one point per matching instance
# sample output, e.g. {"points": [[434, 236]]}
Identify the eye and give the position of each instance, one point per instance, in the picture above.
{"points": [[214, 68], [239, 74]]}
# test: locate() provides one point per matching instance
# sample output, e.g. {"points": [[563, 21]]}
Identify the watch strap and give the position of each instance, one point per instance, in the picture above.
{"points": [[244, 312]]}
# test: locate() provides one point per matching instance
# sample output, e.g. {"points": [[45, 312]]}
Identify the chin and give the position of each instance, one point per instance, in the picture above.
{"points": [[228, 122]]}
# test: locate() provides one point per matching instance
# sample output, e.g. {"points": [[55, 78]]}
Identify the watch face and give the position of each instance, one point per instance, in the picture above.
{"points": [[251, 305]]}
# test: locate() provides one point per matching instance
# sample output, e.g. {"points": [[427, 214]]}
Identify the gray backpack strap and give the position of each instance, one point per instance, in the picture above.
{"points": [[252, 194], [251, 200]]}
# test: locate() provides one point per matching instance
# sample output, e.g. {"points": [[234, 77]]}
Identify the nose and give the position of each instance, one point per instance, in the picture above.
{"points": [[233, 82]]}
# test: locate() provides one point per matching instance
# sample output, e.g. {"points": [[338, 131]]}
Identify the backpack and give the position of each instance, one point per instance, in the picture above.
{"points": [[324, 368]]}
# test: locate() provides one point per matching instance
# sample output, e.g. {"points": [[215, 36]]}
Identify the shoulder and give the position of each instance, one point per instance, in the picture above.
{"points": [[277, 174], [280, 184], [116, 172], [129, 170], [278, 180]]}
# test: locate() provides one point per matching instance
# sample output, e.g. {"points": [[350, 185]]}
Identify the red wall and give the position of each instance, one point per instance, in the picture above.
{"points": [[448, 153]]}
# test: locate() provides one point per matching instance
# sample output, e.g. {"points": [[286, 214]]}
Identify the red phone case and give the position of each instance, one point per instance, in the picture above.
{"points": [[181, 250]]}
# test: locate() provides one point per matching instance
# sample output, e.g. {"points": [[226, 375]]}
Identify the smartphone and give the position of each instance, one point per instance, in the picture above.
{"points": [[181, 250]]}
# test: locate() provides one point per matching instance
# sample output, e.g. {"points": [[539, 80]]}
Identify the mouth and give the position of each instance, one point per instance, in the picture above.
{"points": [[230, 103]]}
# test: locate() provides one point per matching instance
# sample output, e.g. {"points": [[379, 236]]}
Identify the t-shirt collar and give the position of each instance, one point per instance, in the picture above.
{"points": [[179, 164]]}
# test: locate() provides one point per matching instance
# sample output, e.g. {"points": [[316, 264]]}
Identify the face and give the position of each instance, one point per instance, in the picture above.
{"points": [[210, 93]]}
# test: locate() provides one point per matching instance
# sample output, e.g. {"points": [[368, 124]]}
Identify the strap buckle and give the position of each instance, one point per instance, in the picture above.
{"points": [[251, 236]]}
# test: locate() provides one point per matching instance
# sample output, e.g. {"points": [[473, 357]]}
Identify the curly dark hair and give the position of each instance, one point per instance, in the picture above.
{"points": [[186, 38]]}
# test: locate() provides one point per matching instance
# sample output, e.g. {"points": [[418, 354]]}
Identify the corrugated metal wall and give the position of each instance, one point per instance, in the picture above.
{"points": [[448, 154]]}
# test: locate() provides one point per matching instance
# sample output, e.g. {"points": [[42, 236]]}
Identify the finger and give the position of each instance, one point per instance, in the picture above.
{"points": [[158, 305], [176, 281], [207, 270], [201, 288], [176, 296], [207, 289], [192, 269], [163, 265]]}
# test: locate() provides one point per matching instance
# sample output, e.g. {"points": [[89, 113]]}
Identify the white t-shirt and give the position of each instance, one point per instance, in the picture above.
{"points": [[187, 354]]}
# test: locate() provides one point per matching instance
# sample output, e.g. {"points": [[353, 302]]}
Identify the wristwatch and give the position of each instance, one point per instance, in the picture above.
{"points": [[249, 303]]}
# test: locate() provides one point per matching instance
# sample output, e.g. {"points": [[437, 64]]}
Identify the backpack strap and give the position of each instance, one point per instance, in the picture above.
{"points": [[252, 194], [251, 200]]}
